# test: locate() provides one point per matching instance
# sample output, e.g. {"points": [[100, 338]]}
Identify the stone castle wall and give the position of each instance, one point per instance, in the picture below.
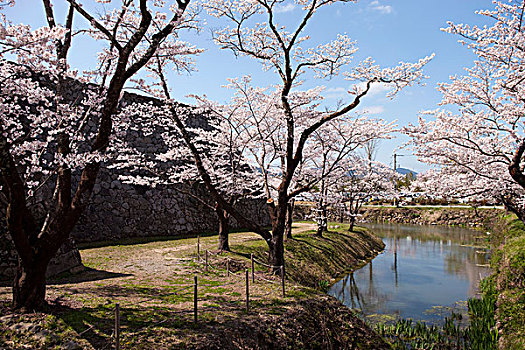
{"points": [[119, 210]]}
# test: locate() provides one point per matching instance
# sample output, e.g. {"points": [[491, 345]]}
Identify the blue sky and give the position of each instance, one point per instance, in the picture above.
{"points": [[388, 31]]}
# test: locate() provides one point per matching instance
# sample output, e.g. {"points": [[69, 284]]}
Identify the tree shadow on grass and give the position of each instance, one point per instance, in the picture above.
{"points": [[141, 308], [86, 275], [152, 326], [141, 240], [96, 324], [324, 238], [148, 315], [311, 245], [238, 253], [150, 239]]}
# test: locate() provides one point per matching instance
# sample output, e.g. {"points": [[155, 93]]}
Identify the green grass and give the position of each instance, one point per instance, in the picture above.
{"points": [[508, 281]]}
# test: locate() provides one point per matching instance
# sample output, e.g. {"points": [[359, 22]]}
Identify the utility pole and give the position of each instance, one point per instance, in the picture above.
{"points": [[395, 162], [395, 171], [395, 180]]}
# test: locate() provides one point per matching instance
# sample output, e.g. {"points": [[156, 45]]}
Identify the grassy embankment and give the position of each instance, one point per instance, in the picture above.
{"points": [[152, 282], [508, 281]]}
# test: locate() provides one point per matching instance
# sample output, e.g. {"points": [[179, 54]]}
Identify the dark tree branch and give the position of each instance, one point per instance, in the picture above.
{"points": [[96, 24], [19, 219], [514, 168]]}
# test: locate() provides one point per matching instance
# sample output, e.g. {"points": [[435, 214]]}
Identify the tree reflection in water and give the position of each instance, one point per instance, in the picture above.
{"points": [[422, 267]]}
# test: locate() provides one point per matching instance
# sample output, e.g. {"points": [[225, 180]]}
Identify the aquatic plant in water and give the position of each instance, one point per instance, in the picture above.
{"points": [[480, 334]]}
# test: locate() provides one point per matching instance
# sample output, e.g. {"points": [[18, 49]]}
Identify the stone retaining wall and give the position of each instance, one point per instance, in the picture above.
{"points": [[431, 216], [419, 216], [119, 210]]}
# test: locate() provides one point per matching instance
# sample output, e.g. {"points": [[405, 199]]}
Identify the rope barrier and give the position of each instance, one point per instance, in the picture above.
{"points": [[236, 275], [161, 321], [181, 288], [85, 331], [216, 254], [267, 280], [156, 297], [261, 263], [213, 285], [213, 267]]}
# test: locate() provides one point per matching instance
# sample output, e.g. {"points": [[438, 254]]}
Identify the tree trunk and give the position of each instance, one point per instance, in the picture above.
{"points": [[511, 206], [29, 286], [224, 228], [276, 244], [352, 223], [325, 219], [319, 232], [289, 219], [277, 249], [321, 221]]}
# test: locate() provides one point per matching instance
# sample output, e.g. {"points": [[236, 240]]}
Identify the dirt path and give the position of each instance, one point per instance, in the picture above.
{"points": [[163, 259], [299, 227]]}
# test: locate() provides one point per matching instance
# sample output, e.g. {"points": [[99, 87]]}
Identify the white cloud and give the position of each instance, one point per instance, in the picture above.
{"points": [[375, 89], [338, 92], [383, 9], [373, 109], [285, 8]]}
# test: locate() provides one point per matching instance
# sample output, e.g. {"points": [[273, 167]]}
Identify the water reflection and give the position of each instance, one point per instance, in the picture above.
{"points": [[421, 267]]}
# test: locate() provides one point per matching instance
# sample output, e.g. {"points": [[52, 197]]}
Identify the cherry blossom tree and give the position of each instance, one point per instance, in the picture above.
{"points": [[331, 157], [354, 182], [365, 180], [255, 33], [44, 138], [452, 184], [221, 149], [479, 142]]}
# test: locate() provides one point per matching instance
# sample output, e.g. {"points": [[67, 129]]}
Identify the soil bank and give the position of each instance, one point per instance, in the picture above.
{"points": [[153, 283], [467, 217]]}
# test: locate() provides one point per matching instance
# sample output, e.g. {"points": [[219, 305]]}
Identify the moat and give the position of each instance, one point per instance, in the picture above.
{"points": [[423, 273]]}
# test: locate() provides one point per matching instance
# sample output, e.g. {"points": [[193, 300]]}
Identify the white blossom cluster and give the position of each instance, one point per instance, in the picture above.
{"points": [[478, 138]]}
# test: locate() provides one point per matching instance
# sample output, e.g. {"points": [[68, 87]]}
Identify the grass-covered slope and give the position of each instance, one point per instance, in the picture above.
{"points": [[508, 262]]}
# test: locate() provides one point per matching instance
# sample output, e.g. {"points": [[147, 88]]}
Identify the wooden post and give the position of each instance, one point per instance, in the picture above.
{"points": [[282, 280], [247, 291], [253, 270], [195, 299], [198, 248], [228, 267], [206, 260], [117, 326]]}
